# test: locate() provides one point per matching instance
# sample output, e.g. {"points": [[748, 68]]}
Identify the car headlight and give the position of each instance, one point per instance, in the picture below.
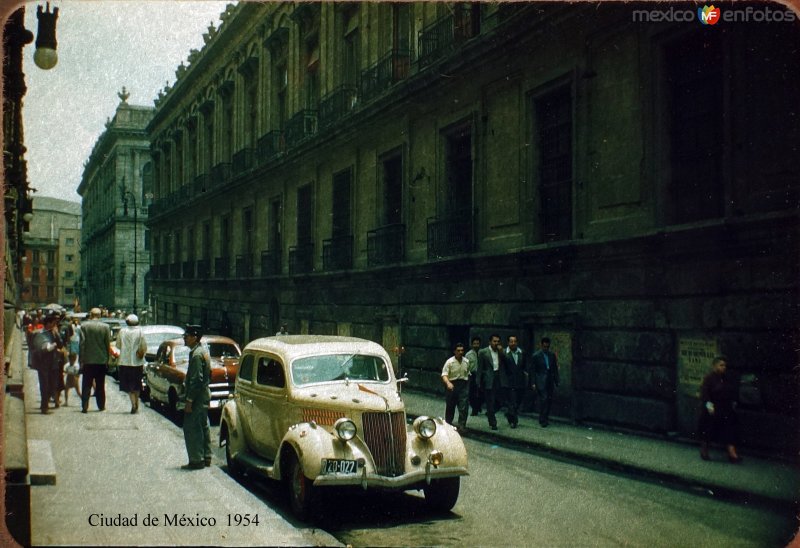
{"points": [[425, 427], [345, 429]]}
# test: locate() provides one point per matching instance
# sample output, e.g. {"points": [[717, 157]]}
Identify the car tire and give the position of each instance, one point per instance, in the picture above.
{"points": [[234, 468], [441, 494], [302, 493]]}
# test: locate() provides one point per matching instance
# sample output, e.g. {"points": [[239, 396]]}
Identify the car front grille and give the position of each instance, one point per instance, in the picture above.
{"points": [[385, 435]]}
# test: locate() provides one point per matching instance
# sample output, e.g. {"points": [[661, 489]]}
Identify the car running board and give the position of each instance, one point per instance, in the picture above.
{"points": [[254, 462]]}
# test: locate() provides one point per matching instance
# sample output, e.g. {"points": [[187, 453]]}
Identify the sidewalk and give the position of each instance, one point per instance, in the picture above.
{"points": [[111, 464], [755, 479]]}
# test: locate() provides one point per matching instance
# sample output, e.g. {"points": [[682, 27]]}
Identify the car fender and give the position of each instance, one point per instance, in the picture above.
{"points": [[229, 419], [312, 443], [447, 440]]}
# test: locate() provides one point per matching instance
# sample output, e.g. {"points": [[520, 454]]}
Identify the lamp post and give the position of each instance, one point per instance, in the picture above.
{"points": [[125, 195]]}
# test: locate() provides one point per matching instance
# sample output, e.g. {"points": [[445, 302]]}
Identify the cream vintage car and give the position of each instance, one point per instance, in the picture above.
{"points": [[322, 412]]}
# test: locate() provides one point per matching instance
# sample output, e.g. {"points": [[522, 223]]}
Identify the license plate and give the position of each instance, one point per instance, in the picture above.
{"points": [[338, 466]]}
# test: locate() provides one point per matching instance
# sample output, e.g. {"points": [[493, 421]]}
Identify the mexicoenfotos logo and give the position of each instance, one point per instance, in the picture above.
{"points": [[708, 15]]}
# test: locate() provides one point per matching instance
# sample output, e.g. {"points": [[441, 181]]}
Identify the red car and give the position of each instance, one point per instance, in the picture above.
{"points": [[165, 375]]}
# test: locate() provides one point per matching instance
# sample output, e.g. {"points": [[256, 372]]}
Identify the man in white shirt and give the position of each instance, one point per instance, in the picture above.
{"points": [[455, 376]]}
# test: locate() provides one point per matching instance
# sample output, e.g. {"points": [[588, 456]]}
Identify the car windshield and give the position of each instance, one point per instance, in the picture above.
{"points": [[180, 354], [339, 367], [222, 350]]}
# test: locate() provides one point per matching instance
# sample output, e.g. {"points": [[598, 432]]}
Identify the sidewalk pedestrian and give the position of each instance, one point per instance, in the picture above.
{"points": [[132, 348], [196, 431], [45, 349], [490, 360], [73, 343], [475, 398], [95, 350], [512, 379], [544, 379], [718, 420], [455, 376]]}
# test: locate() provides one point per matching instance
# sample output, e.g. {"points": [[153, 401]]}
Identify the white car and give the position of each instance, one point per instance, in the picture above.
{"points": [[325, 412]]}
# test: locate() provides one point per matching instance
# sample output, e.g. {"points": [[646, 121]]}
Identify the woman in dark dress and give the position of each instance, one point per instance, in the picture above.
{"points": [[718, 394]]}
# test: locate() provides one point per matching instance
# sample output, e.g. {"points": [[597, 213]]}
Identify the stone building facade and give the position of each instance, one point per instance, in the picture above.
{"points": [[417, 173], [51, 264], [116, 188]]}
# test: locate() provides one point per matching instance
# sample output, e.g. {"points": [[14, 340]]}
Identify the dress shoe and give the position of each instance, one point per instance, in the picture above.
{"points": [[45, 411], [494, 427], [734, 460], [84, 410], [207, 463], [513, 425], [193, 466], [705, 456]]}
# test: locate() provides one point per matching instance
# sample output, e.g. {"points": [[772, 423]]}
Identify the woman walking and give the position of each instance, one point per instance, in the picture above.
{"points": [[132, 348]]}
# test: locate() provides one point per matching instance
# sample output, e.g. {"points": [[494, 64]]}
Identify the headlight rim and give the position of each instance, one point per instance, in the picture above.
{"points": [[345, 435], [422, 421]]}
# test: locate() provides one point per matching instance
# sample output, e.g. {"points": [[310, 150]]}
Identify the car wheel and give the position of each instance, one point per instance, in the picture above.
{"points": [[234, 468], [302, 493], [441, 494]]}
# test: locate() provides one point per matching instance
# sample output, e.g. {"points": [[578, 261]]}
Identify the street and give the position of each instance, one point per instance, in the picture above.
{"points": [[512, 498]]}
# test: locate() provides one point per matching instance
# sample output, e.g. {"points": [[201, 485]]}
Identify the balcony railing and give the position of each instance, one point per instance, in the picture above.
{"points": [[201, 184], [437, 39], [337, 253], [270, 263], [220, 174], [222, 267], [203, 269], [244, 266], [300, 126], [188, 270], [386, 245], [175, 271], [243, 160], [336, 104], [450, 236], [270, 145], [393, 67], [301, 258]]}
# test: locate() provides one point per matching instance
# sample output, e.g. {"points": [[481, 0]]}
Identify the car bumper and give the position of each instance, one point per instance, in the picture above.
{"points": [[406, 481]]}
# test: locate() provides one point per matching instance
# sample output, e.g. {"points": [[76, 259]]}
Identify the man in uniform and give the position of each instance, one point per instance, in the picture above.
{"points": [[196, 430], [95, 349]]}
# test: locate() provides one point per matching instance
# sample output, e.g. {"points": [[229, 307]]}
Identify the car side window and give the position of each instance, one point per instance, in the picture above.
{"points": [[270, 373], [246, 367]]}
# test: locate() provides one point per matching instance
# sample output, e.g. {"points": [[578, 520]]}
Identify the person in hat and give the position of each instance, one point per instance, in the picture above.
{"points": [[197, 395], [45, 354], [132, 348]]}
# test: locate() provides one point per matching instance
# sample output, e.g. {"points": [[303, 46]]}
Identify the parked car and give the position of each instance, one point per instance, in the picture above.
{"points": [[154, 335], [165, 375], [325, 412]]}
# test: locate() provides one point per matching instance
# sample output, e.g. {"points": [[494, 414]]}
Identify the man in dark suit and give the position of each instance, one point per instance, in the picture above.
{"points": [[513, 379], [544, 365], [490, 360]]}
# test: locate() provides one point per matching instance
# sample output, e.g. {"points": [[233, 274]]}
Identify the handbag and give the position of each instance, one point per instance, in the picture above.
{"points": [[72, 369]]}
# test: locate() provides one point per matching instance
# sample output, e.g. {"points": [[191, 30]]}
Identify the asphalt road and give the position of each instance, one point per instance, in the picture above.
{"points": [[513, 498]]}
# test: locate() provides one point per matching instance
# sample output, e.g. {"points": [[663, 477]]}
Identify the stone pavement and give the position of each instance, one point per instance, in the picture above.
{"points": [[111, 465], [676, 462]]}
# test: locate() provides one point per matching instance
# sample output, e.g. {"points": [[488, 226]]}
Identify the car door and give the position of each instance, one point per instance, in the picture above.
{"points": [[270, 408], [244, 396]]}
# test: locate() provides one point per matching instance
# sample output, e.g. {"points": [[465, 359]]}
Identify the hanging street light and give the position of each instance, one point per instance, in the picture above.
{"points": [[45, 55]]}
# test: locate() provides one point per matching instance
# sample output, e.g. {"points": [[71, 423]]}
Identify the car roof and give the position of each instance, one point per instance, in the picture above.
{"points": [[303, 345], [206, 339], [162, 329]]}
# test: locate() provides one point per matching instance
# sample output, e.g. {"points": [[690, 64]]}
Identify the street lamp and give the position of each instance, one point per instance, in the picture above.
{"points": [[125, 195], [45, 55]]}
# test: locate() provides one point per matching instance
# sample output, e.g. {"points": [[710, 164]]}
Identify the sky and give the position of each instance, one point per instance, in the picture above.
{"points": [[102, 46]]}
